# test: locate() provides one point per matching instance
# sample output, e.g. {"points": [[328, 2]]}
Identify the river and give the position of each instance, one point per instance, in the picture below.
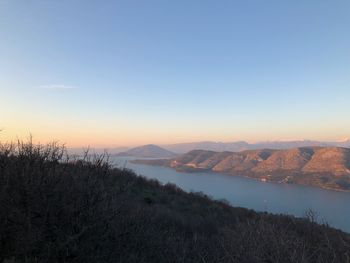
{"points": [[331, 206]]}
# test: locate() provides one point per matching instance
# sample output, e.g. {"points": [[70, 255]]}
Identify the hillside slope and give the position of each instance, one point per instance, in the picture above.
{"points": [[327, 167], [52, 210]]}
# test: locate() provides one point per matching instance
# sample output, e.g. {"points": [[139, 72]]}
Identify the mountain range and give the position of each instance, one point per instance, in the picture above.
{"points": [[326, 167], [238, 146]]}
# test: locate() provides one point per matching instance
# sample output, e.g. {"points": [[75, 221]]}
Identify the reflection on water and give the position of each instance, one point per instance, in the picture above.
{"points": [[332, 206]]}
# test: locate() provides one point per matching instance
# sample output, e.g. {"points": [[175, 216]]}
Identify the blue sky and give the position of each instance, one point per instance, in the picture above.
{"points": [[110, 73]]}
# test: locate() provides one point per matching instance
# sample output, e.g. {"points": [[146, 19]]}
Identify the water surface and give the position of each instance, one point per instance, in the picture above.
{"points": [[332, 206]]}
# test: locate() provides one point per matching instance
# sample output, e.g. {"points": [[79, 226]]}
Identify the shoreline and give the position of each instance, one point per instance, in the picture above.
{"points": [[199, 170]]}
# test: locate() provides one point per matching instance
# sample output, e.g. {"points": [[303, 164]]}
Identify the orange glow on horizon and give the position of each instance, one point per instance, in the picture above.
{"points": [[130, 138]]}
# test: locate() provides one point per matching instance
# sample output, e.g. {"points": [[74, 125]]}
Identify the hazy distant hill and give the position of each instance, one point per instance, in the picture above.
{"points": [[327, 167], [148, 151], [242, 145], [181, 148], [81, 150], [345, 143], [208, 145]]}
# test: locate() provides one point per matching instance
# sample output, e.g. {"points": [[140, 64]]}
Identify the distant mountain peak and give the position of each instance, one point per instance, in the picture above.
{"points": [[148, 151]]}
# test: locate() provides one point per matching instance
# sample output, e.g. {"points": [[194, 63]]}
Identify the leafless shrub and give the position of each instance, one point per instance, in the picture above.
{"points": [[55, 208], [311, 215]]}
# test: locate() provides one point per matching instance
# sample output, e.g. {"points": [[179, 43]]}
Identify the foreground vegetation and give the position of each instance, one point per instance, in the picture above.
{"points": [[53, 209]]}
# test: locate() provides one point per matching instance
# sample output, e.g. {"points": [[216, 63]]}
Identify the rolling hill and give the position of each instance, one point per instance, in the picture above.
{"points": [[148, 151], [326, 167]]}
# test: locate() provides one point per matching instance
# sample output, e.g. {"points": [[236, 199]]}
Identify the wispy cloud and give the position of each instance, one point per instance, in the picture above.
{"points": [[57, 87]]}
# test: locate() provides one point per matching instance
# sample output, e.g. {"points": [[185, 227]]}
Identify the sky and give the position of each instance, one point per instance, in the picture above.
{"points": [[121, 73]]}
